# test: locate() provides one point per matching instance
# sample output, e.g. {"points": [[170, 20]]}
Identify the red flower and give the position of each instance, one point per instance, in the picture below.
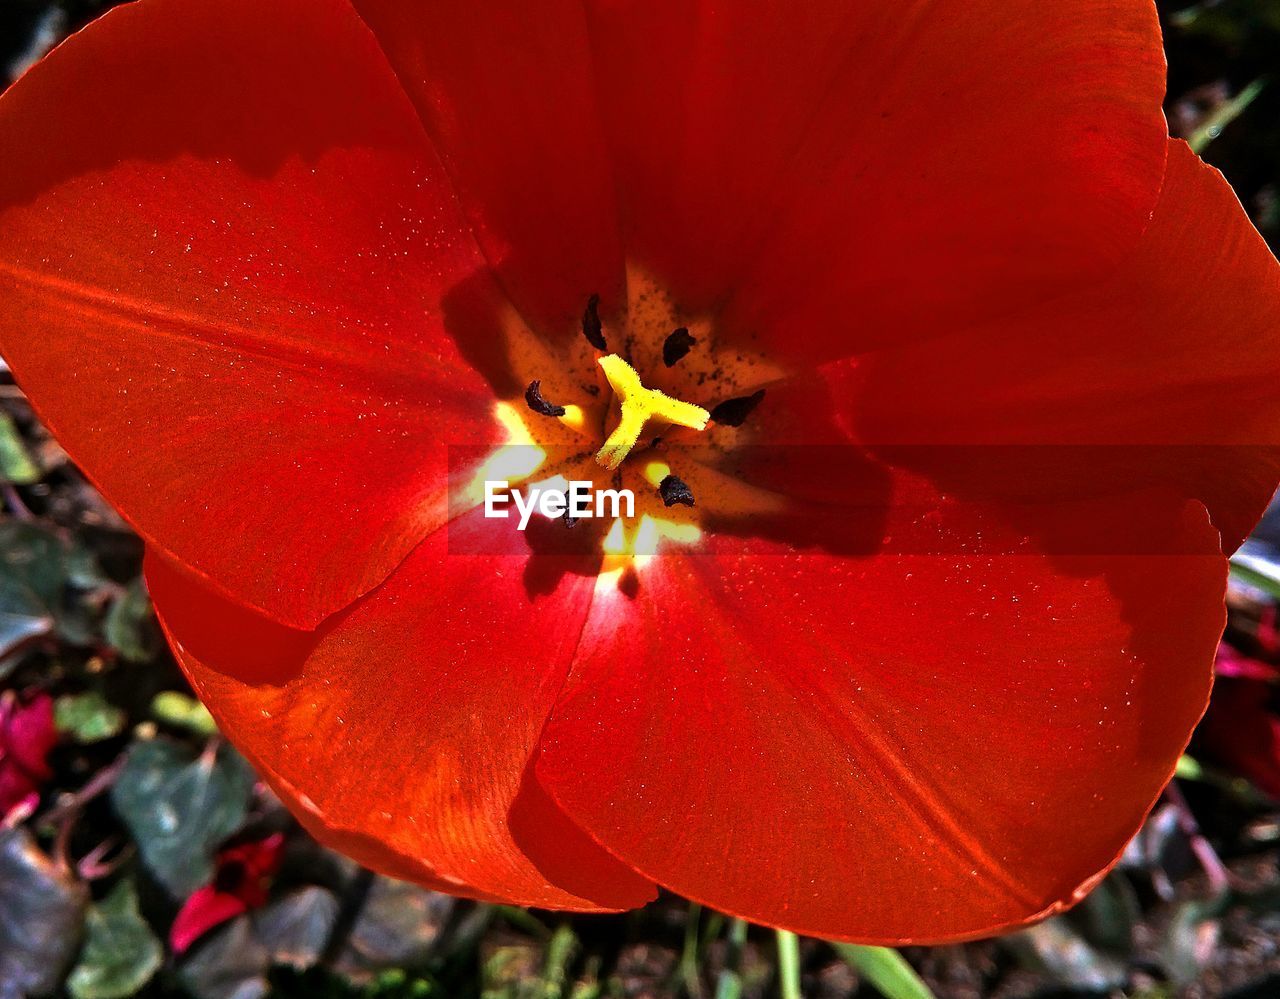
{"points": [[27, 734], [923, 651], [240, 884], [1241, 729]]}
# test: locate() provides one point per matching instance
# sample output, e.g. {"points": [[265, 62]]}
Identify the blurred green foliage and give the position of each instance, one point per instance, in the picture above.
{"points": [[1218, 50]]}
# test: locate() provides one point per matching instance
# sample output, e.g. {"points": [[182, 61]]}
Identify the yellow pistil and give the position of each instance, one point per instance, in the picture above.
{"points": [[638, 405]]}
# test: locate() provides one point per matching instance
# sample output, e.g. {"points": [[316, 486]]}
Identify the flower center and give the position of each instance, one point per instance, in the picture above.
{"points": [[638, 405], [624, 379]]}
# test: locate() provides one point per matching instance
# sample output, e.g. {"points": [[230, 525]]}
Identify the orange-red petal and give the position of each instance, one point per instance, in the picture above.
{"points": [[206, 908], [893, 748], [856, 172], [403, 733], [508, 93], [228, 260], [839, 174], [1164, 374], [944, 713]]}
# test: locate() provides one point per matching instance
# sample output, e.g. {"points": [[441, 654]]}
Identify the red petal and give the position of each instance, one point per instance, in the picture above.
{"points": [[1164, 374], [260, 858], [401, 734], [27, 734], [1242, 731], [1233, 663], [204, 910], [508, 94], [245, 870], [873, 171], [892, 748], [229, 261]]}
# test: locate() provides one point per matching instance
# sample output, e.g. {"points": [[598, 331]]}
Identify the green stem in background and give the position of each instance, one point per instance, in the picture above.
{"points": [[1226, 113], [588, 986], [523, 919], [729, 983], [712, 927], [789, 965], [886, 970], [561, 949], [689, 976]]}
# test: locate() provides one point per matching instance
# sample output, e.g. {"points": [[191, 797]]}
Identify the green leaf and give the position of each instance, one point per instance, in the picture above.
{"points": [[1190, 940], [396, 984], [87, 717], [1253, 569], [16, 463], [33, 572], [690, 972], [179, 808], [1107, 916], [1056, 948], [510, 972], [295, 929], [399, 924], [231, 964], [886, 970], [182, 711], [41, 917], [83, 570], [130, 625], [34, 557], [121, 954], [23, 616]]}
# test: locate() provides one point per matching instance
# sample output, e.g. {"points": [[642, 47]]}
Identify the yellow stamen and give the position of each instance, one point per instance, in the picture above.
{"points": [[638, 405], [573, 417], [656, 471]]}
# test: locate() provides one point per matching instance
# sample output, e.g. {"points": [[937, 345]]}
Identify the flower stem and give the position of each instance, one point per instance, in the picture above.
{"points": [[689, 955], [729, 983], [789, 965]]}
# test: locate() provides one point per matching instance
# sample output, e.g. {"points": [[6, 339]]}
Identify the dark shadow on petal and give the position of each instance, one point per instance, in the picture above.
{"points": [[556, 551], [566, 855], [836, 498], [474, 317], [487, 327], [544, 553], [223, 635]]}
